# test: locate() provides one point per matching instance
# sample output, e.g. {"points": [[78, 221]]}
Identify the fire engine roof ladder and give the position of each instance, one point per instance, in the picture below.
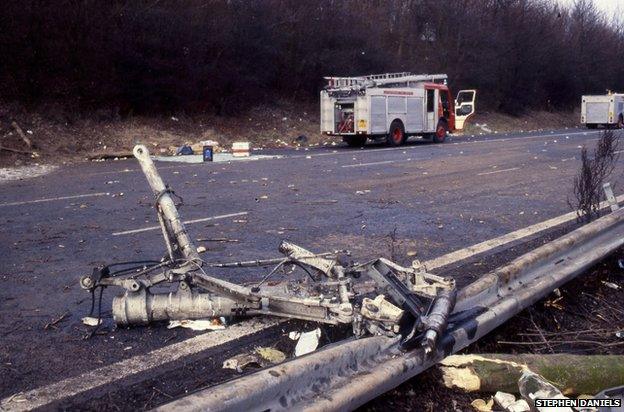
{"points": [[375, 80]]}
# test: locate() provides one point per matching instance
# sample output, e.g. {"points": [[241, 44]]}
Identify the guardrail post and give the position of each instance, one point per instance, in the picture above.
{"points": [[610, 197]]}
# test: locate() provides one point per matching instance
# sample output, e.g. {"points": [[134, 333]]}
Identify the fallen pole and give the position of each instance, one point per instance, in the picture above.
{"points": [[571, 374], [346, 375]]}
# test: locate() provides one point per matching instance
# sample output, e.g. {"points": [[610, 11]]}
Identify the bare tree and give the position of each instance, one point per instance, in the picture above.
{"points": [[592, 175]]}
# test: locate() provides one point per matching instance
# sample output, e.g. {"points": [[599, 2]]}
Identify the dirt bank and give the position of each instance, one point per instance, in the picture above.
{"points": [[58, 136]]}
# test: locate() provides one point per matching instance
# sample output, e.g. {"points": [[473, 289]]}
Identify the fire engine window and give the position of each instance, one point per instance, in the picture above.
{"points": [[430, 100], [444, 98]]}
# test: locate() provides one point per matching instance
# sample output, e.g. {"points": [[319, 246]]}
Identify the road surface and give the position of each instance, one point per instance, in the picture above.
{"points": [[54, 228]]}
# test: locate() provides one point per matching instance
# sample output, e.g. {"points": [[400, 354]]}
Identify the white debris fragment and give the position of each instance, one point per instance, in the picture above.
{"points": [[504, 399], [197, 324], [91, 321], [480, 405], [201, 249], [519, 406], [610, 285], [308, 342], [294, 335]]}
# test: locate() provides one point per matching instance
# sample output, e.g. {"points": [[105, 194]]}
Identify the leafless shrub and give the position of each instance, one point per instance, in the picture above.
{"points": [[397, 250], [593, 173]]}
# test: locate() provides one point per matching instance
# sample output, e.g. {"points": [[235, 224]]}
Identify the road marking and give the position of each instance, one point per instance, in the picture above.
{"points": [[482, 247], [52, 199], [126, 170], [98, 377], [351, 152], [186, 222], [371, 163], [497, 171], [504, 139]]}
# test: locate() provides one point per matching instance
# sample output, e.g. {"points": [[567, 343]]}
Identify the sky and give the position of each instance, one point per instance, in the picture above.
{"points": [[612, 8]]}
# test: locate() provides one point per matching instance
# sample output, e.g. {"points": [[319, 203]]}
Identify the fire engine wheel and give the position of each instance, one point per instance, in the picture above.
{"points": [[440, 134], [396, 137], [355, 141], [620, 123]]}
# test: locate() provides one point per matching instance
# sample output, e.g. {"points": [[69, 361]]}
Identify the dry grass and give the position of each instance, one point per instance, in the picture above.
{"points": [[59, 136]]}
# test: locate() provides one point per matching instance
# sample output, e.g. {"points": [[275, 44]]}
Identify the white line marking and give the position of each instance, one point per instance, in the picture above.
{"points": [[351, 152], [371, 163], [504, 239], [497, 171], [98, 377], [52, 199], [186, 222], [412, 147]]}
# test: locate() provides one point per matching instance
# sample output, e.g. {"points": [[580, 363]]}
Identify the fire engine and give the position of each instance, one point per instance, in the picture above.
{"points": [[392, 107]]}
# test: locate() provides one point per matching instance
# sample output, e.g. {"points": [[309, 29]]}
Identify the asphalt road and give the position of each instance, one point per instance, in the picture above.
{"points": [[439, 198]]}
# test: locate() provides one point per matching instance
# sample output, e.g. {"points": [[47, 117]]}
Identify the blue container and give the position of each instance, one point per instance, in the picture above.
{"points": [[207, 153]]}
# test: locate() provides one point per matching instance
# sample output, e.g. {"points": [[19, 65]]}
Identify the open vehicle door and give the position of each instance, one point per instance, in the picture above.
{"points": [[464, 107]]}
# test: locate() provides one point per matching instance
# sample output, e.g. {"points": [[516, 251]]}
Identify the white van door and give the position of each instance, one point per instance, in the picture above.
{"points": [[464, 107]]}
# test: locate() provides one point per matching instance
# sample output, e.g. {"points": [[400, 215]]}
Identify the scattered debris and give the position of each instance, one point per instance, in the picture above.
{"points": [[533, 386], [610, 285], [508, 402], [199, 324], [184, 151], [504, 399], [260, 357], [201, 249], [301, 139], [241, 149], [91, 321], [271, 355], [482, 406], [307, 342], [55, 321]]}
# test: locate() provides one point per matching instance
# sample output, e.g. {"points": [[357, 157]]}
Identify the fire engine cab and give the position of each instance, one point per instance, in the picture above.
{"points": [[392, 107]]}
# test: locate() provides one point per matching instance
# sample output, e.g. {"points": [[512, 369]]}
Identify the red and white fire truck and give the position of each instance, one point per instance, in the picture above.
{"points": [[392, 107]]}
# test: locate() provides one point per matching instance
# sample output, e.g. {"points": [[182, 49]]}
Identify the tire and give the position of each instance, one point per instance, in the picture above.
{"points": [[396, 135], [440, 134], [620, 123], [355, 141]]}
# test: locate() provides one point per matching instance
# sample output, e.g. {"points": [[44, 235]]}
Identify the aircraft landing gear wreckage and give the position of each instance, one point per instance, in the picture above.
{"points": [[405, 302]]}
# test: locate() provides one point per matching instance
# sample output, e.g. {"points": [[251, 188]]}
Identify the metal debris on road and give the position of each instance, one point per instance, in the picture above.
{"points": [[260, 357], [198, 324], [326, 294], [91, 321], [307, 342]]}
